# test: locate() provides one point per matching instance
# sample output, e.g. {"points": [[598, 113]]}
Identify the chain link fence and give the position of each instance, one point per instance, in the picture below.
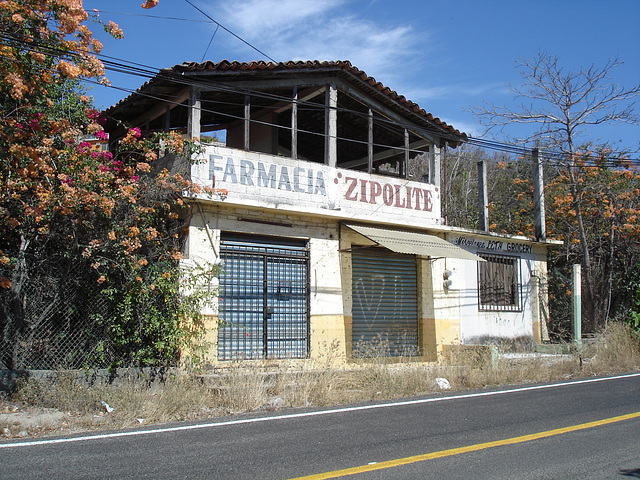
{"points": [[58, 326]]}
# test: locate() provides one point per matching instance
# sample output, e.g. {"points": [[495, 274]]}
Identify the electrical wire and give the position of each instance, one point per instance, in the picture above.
{"points": [[479, 142], [159, 17], [230, 32], [132, 68]]}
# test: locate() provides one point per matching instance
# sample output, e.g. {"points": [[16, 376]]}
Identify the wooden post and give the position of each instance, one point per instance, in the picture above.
{"points": [[370, 143], [538, 197], [483, 196], [167, 119], [406, 155], [247, 122], [331, 127], [434, 167], [294, 124], [576, 297], [444, 191], [195, 114]]}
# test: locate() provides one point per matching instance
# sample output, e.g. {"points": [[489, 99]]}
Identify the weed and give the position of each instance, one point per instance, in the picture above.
{"points": [[242, 386]]}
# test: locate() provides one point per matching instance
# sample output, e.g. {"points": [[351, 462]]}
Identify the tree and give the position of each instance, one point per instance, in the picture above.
{"points": [[103, 219], [461, 197], [610, 203], [561, 105]]}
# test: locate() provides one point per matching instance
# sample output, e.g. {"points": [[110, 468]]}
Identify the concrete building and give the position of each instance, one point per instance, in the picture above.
{"points": [[331, 236]]}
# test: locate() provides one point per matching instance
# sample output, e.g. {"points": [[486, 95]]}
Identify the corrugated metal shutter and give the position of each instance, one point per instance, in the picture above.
{"points": [[385, 301], [264, 298]]}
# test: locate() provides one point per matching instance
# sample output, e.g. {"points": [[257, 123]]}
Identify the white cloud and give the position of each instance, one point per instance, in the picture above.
{"points": [[318, 30], [459, 90], [252, 19]]}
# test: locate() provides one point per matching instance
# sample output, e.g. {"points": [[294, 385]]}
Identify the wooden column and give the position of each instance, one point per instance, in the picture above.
{"points": [[247, 122], [406, 155], [331, 127], [434, 167], [195, 114], [294, 124], [370, 143], [167, 119]]}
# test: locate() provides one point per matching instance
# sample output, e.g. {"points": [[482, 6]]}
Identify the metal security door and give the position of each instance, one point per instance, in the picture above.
{"points": [[385, 301], [264, 298]]}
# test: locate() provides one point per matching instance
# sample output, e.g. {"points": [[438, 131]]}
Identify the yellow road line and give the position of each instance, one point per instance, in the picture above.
{"points": [[470, 448]]}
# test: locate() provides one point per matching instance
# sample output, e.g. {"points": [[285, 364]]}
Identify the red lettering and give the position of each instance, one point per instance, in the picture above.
{"points": [[418, 193], [387, 194], [363, 190], [350, 195], [428, 205], [375, 191], [408, 197], [398, 202]]}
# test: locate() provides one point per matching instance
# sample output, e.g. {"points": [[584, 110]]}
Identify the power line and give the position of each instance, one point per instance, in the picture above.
{"points": [[230, 32], [137, 69], [483, 143], [159, 17]]}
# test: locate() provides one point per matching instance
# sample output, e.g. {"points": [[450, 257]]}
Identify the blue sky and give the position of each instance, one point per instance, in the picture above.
{"points": [[444, 55]]}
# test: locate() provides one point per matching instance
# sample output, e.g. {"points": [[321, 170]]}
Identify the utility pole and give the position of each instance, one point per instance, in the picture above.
{"points": [[538, 197], [483, 196]]}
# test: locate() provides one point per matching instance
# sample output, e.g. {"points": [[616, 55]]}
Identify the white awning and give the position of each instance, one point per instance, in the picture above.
{"points": [[414, 243]]}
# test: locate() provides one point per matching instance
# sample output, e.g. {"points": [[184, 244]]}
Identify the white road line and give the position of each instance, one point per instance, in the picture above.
{"points": [[305, 414]]}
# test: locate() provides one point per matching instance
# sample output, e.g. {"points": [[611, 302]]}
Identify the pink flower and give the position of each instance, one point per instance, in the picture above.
{"points": [[83, 147], [102, 135], [136, 132]]}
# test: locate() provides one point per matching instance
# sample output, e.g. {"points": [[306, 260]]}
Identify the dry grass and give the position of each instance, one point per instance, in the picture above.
{"points": [[617, 349], [247, 386]]}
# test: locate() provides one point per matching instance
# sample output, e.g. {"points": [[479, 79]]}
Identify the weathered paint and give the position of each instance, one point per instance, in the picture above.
{"points": [[328, 339], [446, 315], [269, 181]]}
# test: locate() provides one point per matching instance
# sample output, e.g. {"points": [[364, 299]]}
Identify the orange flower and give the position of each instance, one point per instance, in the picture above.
{"points": [[115, 30]]}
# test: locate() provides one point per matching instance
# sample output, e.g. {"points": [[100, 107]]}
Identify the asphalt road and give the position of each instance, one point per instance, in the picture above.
{"points": [[586, 429]]}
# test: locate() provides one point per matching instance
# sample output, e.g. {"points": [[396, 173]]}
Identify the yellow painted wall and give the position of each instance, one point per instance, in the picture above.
{"points": [[209, 341], [328, 339], [439, 310]]}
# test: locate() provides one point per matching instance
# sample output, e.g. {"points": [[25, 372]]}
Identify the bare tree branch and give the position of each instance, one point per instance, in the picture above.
{"points": [[563, 104]]}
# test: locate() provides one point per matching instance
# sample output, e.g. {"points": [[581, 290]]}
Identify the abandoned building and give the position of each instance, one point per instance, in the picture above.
{"points": [[331, 234]]}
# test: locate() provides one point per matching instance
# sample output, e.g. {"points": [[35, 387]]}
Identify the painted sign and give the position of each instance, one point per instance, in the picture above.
{"points": [[493, 245], [279, 182]]}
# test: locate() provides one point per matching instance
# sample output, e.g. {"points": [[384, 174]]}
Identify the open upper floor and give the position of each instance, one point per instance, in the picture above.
{"points": [[330, 113]]}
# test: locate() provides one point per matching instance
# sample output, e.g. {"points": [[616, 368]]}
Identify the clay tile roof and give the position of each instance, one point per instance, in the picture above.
{"points": [[343, 66]]}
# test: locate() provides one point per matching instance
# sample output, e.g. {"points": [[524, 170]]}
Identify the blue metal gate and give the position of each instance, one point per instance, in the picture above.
{"points": [[264, 298]]}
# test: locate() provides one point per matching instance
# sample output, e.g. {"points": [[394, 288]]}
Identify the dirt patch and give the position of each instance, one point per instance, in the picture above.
{"points": [[22, 421]]}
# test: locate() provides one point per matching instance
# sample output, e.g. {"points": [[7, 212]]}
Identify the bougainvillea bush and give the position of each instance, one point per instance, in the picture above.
{"points": [[106, 224]]}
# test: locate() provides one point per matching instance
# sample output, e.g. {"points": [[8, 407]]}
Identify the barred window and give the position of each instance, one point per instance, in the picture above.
{"points": [[498, 283]]}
